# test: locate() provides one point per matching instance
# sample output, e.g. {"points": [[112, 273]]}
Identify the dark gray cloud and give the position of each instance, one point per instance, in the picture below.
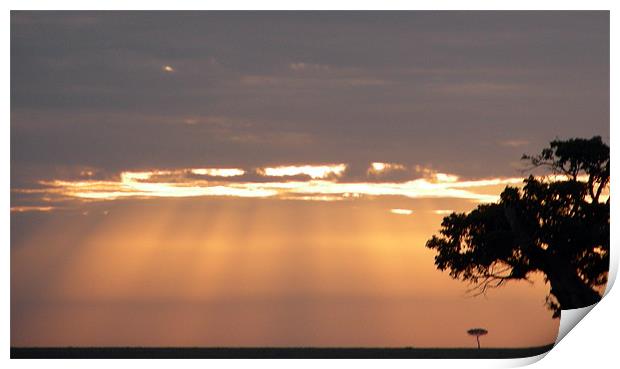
{"points": [[463, 92]]}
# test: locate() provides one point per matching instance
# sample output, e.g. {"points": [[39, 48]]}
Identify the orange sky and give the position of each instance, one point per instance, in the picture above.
{"points": [[253, 272]]}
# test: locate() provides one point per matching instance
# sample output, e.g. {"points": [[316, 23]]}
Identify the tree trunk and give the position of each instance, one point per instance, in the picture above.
{"points": [[570, 290]]}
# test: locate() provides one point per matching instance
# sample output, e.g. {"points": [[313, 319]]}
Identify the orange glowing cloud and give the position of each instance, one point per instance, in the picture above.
{"points": [[378, 168], [325, 184], [443, 212], [322, 186], [401, 211], [22, 209], [314, 171], [218, 172]]}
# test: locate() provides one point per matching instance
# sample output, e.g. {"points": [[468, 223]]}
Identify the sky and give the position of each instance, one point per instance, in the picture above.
{"points": [[270, 179]]}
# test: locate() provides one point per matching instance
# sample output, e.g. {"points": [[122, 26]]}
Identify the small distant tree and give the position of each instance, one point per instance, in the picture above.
{"points": [[477, 332], [555, 225]]}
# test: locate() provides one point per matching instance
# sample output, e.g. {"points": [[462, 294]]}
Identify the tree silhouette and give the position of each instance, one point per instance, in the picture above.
{"points": [[556, 224], [477, 332]]}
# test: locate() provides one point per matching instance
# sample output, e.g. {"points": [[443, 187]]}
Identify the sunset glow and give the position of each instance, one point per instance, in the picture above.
{"points": [[21, 209], [401, 211], [218, 172], [175, 183], [379, 168], [314, 171]]}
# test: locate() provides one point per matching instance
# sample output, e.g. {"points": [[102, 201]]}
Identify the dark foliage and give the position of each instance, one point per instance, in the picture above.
{"points": [[555, 224]]}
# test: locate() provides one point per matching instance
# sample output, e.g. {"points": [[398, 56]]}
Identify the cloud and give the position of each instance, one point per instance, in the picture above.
{"points": [[379, 168], [259, 80], [479, 88], [301, 66], [218, 172], [22, 209], [401, 211], [514, 143], [344, 89], [434, 175], [311, 76], [313, 171], [322, 184]]}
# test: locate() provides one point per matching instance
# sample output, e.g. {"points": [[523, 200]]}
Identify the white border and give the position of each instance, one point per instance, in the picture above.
{"points": [[312, 5]]}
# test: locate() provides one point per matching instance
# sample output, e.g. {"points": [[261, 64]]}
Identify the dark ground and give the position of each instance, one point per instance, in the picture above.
{"points": [[271, 352]]}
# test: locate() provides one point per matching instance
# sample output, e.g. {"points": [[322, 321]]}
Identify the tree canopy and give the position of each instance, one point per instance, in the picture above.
{"points": [[557, 224]]}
